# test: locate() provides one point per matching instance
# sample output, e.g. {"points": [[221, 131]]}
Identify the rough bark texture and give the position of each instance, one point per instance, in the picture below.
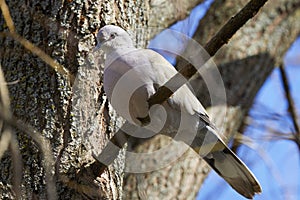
{"points": [[73, 118], [166, 12], [244, 64]]}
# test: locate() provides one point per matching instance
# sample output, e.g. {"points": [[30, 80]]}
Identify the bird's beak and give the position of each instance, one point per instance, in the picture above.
{"points": [[98, 46], [100, 41]]}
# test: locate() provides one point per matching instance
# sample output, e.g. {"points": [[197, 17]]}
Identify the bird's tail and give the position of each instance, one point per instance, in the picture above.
{"points": [[227, 165]]}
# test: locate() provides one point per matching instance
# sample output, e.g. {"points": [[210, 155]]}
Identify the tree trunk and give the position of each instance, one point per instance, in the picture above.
{"points": [[244, 64], [75, 118]]}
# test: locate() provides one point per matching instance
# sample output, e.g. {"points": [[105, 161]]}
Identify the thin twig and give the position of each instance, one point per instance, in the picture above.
{"points": [[221, 38], [9, 139], [17, 165], [30, 46], [43, 145], [292, 107], [9, 119], [7, 17], [41, 54]]}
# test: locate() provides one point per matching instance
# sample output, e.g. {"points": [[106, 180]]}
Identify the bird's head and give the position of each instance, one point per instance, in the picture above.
{"points": [[112, 37]]}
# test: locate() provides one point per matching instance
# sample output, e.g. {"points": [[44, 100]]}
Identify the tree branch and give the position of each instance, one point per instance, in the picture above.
{"points": [[292, 107], [30, 46], [221, 38], [43, 145], [8, 138]]}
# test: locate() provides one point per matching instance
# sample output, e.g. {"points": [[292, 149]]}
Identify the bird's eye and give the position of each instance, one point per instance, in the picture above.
{"points": [[113, 35]]}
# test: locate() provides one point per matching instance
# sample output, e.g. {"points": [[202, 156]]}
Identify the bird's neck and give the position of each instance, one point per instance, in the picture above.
{"points": [[113, 54]]}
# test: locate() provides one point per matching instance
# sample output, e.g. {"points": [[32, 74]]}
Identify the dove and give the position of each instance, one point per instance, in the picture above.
{"points": [[131, 76]]}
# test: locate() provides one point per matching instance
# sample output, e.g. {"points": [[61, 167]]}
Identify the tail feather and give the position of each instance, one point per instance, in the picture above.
{"points": [[228, 165], [234, 171]]}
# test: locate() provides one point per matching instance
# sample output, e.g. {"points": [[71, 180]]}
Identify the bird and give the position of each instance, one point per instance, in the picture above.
{"points": [[132, 75]]}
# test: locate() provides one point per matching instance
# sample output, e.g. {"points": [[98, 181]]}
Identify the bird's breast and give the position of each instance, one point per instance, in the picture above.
{"points": [[128, 88]]}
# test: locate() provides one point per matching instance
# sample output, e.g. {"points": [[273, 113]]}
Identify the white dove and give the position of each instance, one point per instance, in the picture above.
{"points": [[132, 75]]}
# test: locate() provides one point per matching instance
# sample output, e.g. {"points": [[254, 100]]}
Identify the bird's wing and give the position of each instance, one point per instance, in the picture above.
{"points": [[183, 99], [128, 84], [208, 144]]}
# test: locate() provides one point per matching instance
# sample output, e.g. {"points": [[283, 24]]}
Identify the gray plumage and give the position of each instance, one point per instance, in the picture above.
{"points": [[132, 75]]}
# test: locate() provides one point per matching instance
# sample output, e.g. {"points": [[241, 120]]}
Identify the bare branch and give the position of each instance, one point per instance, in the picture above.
{"points": [[43, 145], [7, 17], [212, 47], [292, 107], [9, 139], [221, 38], [30, 46], [4, 142]]}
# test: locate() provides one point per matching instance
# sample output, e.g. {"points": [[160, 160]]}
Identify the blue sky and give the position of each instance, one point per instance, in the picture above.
{"points": [[187, 27], [274, 162]]}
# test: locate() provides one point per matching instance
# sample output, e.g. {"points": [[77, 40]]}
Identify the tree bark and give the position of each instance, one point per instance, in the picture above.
{"points": [[76, 119], [244, 63]]}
